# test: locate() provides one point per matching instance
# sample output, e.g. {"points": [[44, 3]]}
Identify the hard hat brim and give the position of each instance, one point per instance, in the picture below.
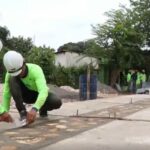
{"points": [[15, 73]]}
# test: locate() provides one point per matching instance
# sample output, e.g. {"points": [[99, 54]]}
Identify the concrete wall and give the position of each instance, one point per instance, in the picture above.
{"points": [[70, 59]]}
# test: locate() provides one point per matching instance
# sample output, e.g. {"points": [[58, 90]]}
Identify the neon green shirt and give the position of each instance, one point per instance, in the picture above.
{"points": [[143, 77], [128, 77], [1, 109], [35, 80], [138, 81]]}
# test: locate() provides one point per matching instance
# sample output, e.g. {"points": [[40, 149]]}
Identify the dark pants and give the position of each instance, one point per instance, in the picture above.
{"points": [[133, 86], [21, 94]]}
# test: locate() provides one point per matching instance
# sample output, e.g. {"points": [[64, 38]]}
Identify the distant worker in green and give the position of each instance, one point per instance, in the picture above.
{"points": [[143, 77], [26, 83], [134, 81], [139, 79], [129, 80]]}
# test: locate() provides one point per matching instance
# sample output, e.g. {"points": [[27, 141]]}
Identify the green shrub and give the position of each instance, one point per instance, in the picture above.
{"points": [[67, 76]]}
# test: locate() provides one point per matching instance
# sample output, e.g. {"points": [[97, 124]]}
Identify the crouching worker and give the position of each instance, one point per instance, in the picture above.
{"points": [[26, 83]]}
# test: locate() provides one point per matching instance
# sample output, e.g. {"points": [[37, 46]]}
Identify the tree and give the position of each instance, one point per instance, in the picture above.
{"points": [[20, 44], [78, 47], [141, 17], [44, 57], [120, 41], [4, 35]]}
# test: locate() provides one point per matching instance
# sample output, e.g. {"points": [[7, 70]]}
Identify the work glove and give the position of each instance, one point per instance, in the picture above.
{"points": [[6, 117], [31, 115]]}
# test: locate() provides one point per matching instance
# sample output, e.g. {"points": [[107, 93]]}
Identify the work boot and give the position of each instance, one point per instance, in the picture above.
{"points": [[43, 113], [23, 118]]}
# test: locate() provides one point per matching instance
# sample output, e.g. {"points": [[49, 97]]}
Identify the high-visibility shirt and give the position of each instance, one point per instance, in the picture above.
{"points": [[128, 77], [35, 80], [138, 81], [143, 77], [1, 109]]}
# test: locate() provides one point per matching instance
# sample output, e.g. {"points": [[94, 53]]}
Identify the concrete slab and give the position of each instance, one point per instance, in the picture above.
{"points": [[65, 133], [82, 107], [70, 109], [124, 99], [117, 135], [141, 115]]}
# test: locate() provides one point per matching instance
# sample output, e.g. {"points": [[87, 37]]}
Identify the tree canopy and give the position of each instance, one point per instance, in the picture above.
{"points": [[141, 17], [4, 35]]}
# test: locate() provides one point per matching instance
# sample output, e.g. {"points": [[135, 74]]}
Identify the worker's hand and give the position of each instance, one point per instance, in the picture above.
{"points": [[31, 116], [6, 117]]}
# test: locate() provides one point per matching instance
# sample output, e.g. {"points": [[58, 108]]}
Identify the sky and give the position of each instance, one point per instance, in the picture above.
{"points": [[55, 22]]}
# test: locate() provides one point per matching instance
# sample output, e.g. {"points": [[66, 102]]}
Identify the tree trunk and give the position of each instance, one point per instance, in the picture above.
{"points": [[114, 76]]}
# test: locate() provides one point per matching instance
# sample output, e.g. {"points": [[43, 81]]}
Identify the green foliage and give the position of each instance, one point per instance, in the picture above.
{"points": [[72, 47], [67, 76], [141, 17], [147, 61], [120, 40], [4, 35], [94, 50], [20, 44], [44, 57]]}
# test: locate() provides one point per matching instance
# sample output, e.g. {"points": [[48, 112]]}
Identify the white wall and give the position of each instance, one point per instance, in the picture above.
{"points": [[70, 59]]}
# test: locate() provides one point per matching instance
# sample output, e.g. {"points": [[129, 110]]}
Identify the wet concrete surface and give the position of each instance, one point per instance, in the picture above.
{"points": [[100, 125], [47, 131], [116, 135]]}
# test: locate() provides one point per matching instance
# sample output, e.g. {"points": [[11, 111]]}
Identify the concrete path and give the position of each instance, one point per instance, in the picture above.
{"points": [[115, 135], [117, 123]]}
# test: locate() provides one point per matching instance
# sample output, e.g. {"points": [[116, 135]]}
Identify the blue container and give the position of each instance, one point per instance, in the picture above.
{"points": [[93, 87], [83, 87]]}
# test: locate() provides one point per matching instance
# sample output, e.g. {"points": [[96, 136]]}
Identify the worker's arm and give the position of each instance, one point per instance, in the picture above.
{"points": [[6, 96], [4, 108], [1, 110], [42, 89], [43, 93]]}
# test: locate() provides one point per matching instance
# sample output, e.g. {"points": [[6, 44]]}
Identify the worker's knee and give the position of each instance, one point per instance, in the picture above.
{"points": [[58, 103]]}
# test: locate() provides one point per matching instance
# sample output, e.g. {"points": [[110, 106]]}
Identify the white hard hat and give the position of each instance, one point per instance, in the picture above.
{"points": [[1, 45], [13, 62]]}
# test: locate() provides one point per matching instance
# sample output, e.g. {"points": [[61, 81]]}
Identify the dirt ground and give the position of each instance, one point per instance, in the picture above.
{"points": [[68, 94]]}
